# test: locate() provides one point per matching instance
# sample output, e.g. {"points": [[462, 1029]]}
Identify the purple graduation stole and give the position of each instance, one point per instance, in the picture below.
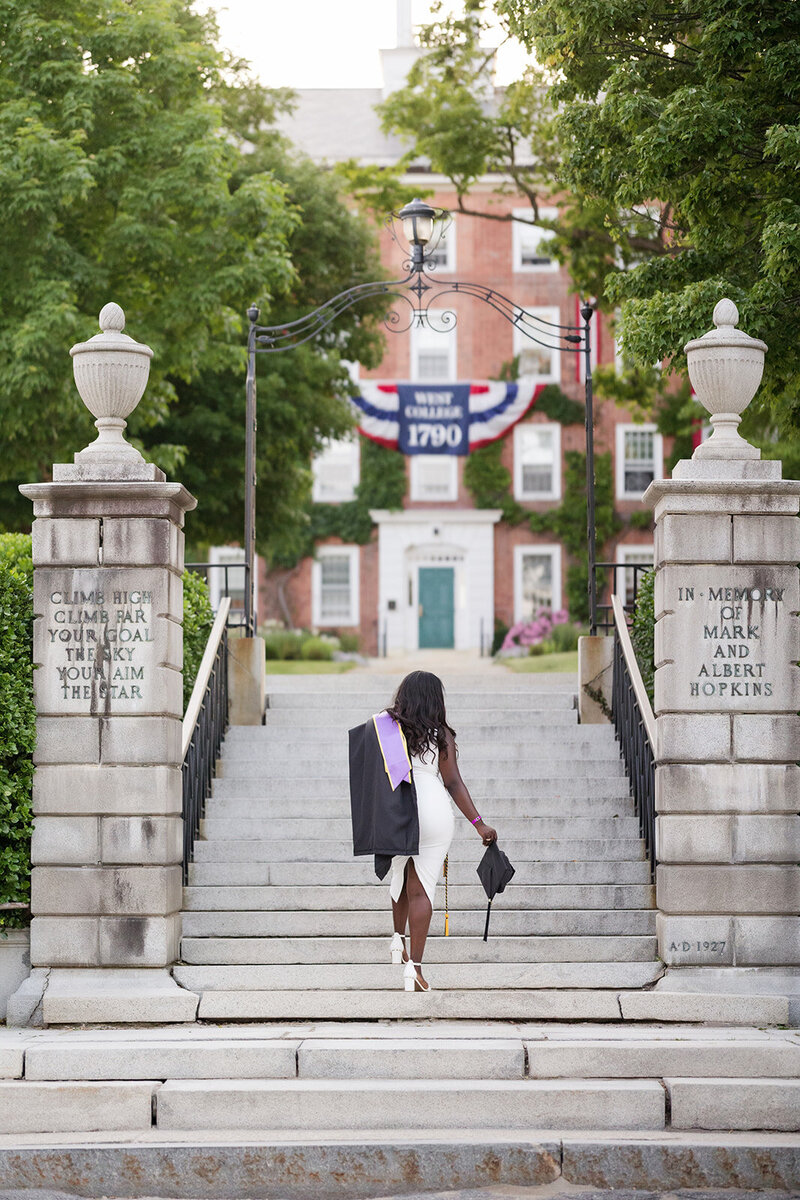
{"points": [[392, 742]]}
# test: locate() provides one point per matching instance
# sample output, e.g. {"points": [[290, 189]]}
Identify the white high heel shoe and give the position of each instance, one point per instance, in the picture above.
{"points": [[397, 948], [411, 980]]}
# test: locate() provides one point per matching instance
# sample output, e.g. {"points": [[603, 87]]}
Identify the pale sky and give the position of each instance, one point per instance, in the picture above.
{"points": [[323, 43]]}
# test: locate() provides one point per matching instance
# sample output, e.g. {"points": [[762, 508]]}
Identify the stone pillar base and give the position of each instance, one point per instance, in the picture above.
{"points": [[595, 673], [247, 692], [124, 996]]}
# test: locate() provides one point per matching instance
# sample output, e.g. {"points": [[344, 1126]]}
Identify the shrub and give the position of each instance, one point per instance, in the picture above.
{"points": [[500, 632], [643, 630], [198, 617], [15, 552], [564, 638], [17, 723], [531, 633], [283, 645], [349, 643], [316, 649]]}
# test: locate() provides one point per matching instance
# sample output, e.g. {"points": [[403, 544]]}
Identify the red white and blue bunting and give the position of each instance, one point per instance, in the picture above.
{"points": [[455, 418]]}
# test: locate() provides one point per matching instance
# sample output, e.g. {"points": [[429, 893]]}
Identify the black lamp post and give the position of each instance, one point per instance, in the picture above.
{"points": [[419, 223]]}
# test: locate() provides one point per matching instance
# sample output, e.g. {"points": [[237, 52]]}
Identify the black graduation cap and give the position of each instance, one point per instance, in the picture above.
{"points": [[494, 871]]}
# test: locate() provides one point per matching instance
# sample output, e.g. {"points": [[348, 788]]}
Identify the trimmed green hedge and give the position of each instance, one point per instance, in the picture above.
{"points": [[198, 617], [17, 724], [18, 713], [643, 630]]}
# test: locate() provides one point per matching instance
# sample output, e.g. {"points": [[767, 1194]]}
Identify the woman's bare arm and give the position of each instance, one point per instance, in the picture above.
{"points": [[451, 777]]}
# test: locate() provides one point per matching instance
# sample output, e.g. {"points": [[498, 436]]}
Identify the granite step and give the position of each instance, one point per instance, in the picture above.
{"points": [[518, 699], [519, 1005], [228, 921], [387, 977], [324, 1104], [500, 739], [365, 898], [71, 1106], [237, 950], [415, 1051], [233, 848], [734, 1103], [614, 787], [272, 736], [273, 806], [338, 829], [666, 1055], [345, 716], [493, 766], [362, 873]]}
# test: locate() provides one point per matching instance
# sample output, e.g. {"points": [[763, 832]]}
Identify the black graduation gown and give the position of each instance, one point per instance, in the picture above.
{"points": [[385, 821]]}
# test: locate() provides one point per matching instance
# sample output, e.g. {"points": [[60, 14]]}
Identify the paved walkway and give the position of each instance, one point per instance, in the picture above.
{"points": [[441, 662]]}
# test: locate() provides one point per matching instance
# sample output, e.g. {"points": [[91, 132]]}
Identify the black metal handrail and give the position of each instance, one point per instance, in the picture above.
{"points": [[236, 613], [204, 725], [605, 616], [635, 728]]}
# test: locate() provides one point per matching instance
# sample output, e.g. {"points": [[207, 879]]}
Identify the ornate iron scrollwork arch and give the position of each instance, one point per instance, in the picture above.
{"points": [[422, 292]]}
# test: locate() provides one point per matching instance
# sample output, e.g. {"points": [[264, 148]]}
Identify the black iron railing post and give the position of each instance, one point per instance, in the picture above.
{"points": [[591, 535], [251, 419], [605, 619]]}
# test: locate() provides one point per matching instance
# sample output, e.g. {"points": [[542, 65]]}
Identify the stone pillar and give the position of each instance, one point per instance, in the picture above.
{"points": [[727, 690], [108, 644]]}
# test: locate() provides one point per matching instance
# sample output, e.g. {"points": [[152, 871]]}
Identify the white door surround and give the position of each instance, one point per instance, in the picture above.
{"points": [[414, 538]]}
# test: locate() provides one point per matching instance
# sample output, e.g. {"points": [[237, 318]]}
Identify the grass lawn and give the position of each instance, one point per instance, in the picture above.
{"points": [[544, 663], [278, 667]]}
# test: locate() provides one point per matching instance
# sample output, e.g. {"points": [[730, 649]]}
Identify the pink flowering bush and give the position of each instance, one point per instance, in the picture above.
{"points": [[531, 633]]}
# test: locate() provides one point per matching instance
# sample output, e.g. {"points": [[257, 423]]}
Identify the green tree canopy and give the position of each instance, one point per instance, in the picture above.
{"points": [[451, 116], [688, 115], [139, 162], [669, 135]]}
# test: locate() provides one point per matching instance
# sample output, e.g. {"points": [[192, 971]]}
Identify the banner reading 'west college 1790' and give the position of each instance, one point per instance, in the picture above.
{"points": [[441, 418], [433, 418]]}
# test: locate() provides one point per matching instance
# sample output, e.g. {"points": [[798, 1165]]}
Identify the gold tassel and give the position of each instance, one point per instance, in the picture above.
{"points": [[446, 900]]}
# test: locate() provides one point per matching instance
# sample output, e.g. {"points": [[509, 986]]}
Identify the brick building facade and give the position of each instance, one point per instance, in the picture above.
{"points": [[441, 552]]}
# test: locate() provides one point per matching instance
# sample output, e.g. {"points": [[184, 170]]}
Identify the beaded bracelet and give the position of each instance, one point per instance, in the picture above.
{"points": [[477, 819]]}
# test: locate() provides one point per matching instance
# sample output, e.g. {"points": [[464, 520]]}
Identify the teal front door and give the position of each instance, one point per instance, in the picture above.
{"points": [[436, 608]]}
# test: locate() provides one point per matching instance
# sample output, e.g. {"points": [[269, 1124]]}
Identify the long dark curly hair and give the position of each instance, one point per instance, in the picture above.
{"points": [[418, 707]]}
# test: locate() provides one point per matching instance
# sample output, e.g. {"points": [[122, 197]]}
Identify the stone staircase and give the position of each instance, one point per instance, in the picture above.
{"points": [[267, 1111], [550, 1061], [281, 922]]}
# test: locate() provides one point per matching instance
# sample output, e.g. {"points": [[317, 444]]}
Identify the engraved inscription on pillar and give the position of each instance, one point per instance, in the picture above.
{"points": [[735, 633], [98, 640]]}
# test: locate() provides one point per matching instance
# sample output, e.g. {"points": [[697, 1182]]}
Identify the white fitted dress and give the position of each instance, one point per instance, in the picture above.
{"points": [[437, 825]]}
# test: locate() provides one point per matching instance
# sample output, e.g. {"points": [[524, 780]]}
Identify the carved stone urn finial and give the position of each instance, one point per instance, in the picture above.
{"points": [[111, 372], [725, 369]]}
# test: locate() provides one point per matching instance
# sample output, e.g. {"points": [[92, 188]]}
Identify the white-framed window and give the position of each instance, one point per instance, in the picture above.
{"points": [[538, 361], [537, 580], [227, 576], [434, 477], [640, 460], [443, 247], [529, 241], [629, 556], [334, 586], [537, 462], [336, 471], [433, 350]]}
